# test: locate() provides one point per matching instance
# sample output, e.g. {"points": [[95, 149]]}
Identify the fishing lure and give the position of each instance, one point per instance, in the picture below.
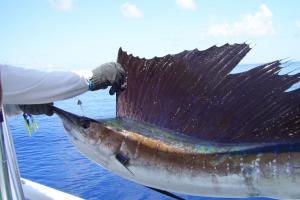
{"points": [[29, 120]]}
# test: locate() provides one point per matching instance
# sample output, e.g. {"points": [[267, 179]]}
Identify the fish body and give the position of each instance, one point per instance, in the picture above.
{"points": [[186, 124], [186, 165]]}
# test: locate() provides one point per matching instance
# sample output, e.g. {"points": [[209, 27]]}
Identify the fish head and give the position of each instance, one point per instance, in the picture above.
{"points": [[91, 137]]}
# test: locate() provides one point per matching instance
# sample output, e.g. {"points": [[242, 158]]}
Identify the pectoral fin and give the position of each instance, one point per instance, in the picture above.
{"points": [[169, 194], [123, 160]]}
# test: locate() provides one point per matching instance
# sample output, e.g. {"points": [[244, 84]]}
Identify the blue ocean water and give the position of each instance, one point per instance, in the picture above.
{"points": [[48, 157]]}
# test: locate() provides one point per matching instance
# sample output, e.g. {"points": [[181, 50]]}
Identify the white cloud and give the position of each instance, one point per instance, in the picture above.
{"points": [[62, 5], [298, 23], [131, 11], [186, 4], [256, 24]]}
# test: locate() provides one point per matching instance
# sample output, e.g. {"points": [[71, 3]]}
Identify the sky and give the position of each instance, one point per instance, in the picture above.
{"points": [[82, 34]]}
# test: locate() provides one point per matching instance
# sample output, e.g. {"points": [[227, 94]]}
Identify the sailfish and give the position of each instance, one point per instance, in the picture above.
{"points": [[186, 124]]}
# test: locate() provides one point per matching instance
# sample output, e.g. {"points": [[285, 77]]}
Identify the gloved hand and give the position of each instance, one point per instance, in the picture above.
{"points": [[108, 74], [37, 109]]}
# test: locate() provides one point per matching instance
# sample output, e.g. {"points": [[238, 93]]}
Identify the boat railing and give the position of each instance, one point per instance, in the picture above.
{"points": [[10, 180]]}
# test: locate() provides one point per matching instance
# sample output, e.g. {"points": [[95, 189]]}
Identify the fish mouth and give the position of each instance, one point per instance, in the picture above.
{"points": [[73, 124], [75, 120], [65, 115]]}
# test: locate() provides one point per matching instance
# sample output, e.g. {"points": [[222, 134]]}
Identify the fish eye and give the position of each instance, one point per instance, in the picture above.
{"points": [[84, 123]]}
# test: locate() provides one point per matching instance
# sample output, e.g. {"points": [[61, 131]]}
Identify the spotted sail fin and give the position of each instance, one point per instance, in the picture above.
{"points": [[193, 93]]}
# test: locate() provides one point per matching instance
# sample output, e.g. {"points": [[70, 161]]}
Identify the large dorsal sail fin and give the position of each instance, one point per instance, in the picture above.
{"points": [[193, 93]]}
